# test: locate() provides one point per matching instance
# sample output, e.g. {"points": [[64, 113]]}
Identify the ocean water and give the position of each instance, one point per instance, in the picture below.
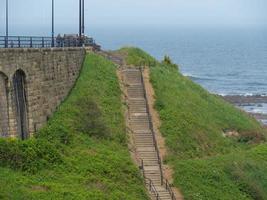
{"points": [[225, 61]]}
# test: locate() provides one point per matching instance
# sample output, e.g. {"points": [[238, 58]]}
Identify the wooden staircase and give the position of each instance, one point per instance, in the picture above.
{"points": [[143, 135]]}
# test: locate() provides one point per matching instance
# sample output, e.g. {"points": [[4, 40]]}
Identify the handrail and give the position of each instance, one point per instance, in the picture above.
{"points": [[152, 127], [151, 186], [168, 187]]}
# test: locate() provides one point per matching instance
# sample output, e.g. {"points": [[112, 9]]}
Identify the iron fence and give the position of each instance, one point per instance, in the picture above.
{"points": [[46, 42]]}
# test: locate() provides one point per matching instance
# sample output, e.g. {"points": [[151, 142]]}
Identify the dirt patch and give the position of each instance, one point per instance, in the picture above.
{"points": [[40, 188], [231, 134], [91, 152], [98, 185], [167, 170]]}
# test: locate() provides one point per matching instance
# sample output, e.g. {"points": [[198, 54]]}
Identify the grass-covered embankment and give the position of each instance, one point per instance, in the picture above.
{"points": [[82, 152], [207, 164]]}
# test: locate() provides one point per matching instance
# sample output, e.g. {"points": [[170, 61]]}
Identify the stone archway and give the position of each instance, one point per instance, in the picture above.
{"points": [[3, 105], [19, 85]]}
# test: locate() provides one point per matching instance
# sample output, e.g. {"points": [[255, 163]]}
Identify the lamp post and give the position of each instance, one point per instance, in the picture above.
{"points": [[53, 24], [80, 18], [6, 40], [83, 17], [81, 21]]}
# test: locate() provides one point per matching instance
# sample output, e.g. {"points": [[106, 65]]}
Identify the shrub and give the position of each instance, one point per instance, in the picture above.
{"points": [[30, 155], [89, 119], [159, 105], [251, 137], [168, 62], [55, 132]]}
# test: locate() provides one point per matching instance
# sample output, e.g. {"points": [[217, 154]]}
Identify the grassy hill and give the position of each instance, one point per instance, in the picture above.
{"points": [[82, 153], [208, 165]]}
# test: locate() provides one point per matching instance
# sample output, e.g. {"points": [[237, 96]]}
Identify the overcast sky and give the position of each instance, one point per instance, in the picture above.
{"points": [[35, 14]]}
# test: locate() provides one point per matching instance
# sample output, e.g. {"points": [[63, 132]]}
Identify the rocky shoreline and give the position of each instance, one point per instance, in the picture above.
{"points": [[237, 99], [252, 101]]}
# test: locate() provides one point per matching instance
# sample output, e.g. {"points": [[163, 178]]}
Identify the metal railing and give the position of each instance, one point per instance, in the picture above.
{"points": [[151, 126], [25, 42], [152, 188], [45, 42], [148, 182], [167, 185]]}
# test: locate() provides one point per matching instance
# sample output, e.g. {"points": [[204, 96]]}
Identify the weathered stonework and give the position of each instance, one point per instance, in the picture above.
{"points": [[49, 75]]}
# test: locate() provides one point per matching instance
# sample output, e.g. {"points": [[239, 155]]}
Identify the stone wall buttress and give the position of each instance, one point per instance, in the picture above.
{"points": [[4, 117]]}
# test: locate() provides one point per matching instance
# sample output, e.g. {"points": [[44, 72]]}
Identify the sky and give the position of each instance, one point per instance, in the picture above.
{"points": [[35, 15]]}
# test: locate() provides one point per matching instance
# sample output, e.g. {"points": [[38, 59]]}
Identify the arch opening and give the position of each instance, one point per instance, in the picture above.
{"points": [[3, 105], [19, 85]]}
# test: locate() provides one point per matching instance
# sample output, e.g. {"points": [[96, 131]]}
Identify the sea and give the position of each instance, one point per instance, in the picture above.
{"points": [[224, 60]]}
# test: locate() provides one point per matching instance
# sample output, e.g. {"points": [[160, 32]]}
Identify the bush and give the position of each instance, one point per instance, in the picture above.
{"points": [[89, 119], [30, 155], [251, 137], [168, 62], [55, 132]]}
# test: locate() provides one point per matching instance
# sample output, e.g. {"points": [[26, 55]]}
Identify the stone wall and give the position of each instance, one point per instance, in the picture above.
{"points": [[3, 105], [48, 77]]}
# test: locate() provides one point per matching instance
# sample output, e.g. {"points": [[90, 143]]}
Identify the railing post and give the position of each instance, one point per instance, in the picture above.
{"points": [[161, 174], [19, 41], [166, 185], [43, 42], [31, 42], [6, 42], [143, 167]]}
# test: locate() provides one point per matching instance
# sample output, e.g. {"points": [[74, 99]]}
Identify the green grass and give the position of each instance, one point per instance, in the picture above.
{"points": [[136, 56], [241, 175], [207, 165], [194, 120], [82, 152]]}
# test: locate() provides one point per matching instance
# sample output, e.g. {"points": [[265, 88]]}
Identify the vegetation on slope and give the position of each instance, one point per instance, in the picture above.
{"points": [[207, 164], [82, 152]]}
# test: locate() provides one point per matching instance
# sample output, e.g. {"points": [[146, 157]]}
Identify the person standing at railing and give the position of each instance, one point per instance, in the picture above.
{"points": [[59, 40]]}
